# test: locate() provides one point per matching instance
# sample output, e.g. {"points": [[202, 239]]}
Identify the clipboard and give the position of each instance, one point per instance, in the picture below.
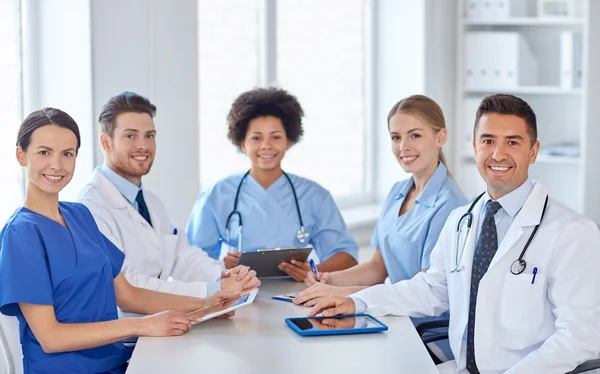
{"points": [[266, 261]]}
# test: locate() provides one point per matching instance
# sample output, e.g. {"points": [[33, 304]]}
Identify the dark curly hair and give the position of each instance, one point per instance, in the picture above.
{"points": [[262, 102]]}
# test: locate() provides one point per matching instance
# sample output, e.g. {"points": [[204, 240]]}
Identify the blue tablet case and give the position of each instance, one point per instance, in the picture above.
{"points": [[381, 327]]}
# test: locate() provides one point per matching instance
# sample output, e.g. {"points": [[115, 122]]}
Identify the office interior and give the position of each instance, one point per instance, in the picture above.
{"points": [[347, 61]]}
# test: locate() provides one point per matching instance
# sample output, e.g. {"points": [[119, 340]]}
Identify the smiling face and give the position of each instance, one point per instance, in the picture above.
{"points": [[266, 143], [49, 159], [130, 152], [503, 152], [415, 144]]}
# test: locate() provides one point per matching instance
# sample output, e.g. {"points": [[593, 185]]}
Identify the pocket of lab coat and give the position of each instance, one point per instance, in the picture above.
{"points": [[523, 302]]}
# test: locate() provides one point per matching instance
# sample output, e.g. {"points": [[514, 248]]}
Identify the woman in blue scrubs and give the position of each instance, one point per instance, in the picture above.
{"points": [[61, 277], [277, 209], [415, 210]]}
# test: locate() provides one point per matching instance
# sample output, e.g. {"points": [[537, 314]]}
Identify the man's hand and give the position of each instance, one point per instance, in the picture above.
{"points": [[239, 279], [319, 292], [231, 259], [295, 269], [334, 306]]}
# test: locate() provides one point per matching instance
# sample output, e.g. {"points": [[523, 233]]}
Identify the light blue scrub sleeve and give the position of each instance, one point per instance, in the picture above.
{"points": [[202, 229], [24, 273], [332, 235], [115, 256], [436, 224]]}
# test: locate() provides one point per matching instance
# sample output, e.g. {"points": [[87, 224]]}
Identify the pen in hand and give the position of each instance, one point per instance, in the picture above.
{"points": [[314, 269]]}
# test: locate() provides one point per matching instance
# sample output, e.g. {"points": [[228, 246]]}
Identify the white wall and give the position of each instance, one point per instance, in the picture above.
{"points": [[151, 47], [57, 70]]}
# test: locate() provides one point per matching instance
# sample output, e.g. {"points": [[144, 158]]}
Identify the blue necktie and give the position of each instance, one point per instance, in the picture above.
{"points": [[142, 207], [487, 245]]}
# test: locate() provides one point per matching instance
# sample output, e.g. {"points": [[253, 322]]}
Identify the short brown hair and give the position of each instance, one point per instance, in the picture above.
{"points": [[262, 102], [45, 117], [508, 105], [125, 102]]}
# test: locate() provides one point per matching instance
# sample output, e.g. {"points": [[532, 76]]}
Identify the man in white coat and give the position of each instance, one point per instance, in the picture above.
{"points": [[157, 254], [511, 311]]}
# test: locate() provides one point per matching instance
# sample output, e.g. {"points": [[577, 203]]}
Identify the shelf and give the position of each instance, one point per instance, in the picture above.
{"points": [[533, 90], [541, 159], [525, 21]]}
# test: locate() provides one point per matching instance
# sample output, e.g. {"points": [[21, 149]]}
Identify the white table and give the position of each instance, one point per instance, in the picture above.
{"points": [[257, 340]]}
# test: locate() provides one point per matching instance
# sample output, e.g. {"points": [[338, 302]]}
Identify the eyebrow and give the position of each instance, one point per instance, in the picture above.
{"points": [[50, 149], [490, 136], [409, 131], [260, 132], [135, 130]]}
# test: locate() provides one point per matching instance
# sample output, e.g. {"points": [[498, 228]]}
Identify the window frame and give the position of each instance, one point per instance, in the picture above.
{"points": [[267, 76]]}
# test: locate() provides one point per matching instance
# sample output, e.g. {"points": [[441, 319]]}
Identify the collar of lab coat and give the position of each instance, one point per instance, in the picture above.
{"points": [[530, 215], [125, 187], [113, 196]]}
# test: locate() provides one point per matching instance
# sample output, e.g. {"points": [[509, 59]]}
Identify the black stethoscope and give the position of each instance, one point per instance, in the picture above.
{"points": [[302, 235], [517, 267]]}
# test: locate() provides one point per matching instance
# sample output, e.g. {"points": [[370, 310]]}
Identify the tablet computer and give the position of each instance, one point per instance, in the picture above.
{"points": [[266, 261], [212, 311], [338, 325]]}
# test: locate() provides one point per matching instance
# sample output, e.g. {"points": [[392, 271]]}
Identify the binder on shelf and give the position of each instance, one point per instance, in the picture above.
{"points": [[498, 60], [473, 9], [560, 8], [495, 9], [571, 50]]}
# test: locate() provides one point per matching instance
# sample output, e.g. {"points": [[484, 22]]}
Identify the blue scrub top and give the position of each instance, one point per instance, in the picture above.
{"points": [[406, 241], [42, 262], [269, 217]]}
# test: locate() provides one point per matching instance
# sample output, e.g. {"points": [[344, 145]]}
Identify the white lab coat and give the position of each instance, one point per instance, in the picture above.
{"points": [[152, 253], [547, 327]]}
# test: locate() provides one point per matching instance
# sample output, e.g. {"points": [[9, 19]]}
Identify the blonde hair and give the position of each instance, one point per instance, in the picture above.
{"points": [[427, 111]]}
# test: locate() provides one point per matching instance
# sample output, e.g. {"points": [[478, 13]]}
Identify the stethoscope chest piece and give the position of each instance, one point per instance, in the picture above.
{"points": [[518, 267], [302, 235]]}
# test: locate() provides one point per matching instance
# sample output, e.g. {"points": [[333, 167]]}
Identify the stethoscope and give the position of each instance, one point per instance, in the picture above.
{"points": [[302, 235], [517, 267]]}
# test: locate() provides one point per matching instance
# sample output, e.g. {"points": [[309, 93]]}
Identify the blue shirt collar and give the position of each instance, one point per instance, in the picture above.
{"points": [[513, 202], [429, 194], [125, 187]]}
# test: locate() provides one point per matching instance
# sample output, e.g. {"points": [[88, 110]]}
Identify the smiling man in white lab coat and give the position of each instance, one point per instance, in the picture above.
{"points": [[543, 317], [158, 255]]}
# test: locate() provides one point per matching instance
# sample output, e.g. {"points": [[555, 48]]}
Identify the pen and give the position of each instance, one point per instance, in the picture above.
{"points": [[314, 269], [175, 231], [534, 274]]}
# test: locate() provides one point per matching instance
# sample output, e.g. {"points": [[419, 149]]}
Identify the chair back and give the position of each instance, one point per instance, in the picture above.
{"points": [[10, 346]]}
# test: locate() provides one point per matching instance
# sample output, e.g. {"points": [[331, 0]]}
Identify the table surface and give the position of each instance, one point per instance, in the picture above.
{"points": [[257, 340]]}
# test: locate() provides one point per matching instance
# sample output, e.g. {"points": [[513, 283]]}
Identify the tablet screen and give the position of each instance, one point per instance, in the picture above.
{"points": [[342, 323]]}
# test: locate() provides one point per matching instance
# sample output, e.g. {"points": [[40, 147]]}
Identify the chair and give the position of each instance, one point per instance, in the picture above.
{"points": [[424, 327], [10, 345]]}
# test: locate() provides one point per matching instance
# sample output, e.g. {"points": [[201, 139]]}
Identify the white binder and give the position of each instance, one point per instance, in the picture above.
{"points": [[571, 69]]}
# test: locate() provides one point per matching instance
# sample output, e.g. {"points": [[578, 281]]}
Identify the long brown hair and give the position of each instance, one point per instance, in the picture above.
{"points": [[427, 111]]}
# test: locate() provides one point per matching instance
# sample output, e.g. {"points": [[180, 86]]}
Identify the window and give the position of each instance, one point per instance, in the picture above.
{"points": [[228, 59], [11, 178], [316, 50], [320, 59]]}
